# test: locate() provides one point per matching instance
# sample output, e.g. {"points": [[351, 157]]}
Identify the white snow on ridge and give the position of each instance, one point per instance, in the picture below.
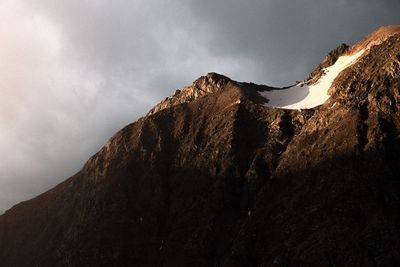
{"points": [[302, 96]]}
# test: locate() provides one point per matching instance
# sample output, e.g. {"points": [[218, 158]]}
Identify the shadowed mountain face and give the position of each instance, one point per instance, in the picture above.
{"points": [[214, 177]]}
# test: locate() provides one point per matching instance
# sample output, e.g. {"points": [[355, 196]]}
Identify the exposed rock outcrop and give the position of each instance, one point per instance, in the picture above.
{"points": [[210, 83], [329, 60]]}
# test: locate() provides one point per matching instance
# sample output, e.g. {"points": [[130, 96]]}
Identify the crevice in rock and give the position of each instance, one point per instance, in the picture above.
{"points": [[264, 163], [249, 135], [389, 135], [362, 129], [287, 128]]}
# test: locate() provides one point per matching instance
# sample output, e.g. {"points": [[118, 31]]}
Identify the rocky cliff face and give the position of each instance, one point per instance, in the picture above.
{"points": [[213, 177]]}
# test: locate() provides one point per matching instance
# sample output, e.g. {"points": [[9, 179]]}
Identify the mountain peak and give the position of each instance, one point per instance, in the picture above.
{"points": [[211, 79], [375, 38], [210, 83]]}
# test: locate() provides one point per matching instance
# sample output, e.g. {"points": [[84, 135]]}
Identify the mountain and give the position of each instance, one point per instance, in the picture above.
{"points": [[224, 173]]}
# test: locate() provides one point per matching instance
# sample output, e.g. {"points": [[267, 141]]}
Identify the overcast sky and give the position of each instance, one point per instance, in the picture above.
{"points": [[72, 72]]}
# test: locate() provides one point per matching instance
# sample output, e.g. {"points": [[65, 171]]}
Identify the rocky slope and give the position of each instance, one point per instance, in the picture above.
{"points": [[214, 177]]}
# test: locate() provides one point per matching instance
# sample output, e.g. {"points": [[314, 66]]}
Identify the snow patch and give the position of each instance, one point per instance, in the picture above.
{"points": [[303, 96]]}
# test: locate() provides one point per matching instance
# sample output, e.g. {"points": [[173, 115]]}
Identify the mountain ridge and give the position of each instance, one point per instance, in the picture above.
{"points": [[213, 176]]}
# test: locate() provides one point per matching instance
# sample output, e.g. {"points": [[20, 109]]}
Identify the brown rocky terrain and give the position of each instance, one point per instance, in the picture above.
{"points": [[213, 177]]}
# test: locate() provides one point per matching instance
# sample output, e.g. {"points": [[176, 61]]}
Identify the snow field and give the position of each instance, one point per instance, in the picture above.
{"points": [[302, 96]]}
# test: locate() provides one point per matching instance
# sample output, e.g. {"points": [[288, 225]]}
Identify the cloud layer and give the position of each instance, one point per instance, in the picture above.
{"points": [[73, 72]]}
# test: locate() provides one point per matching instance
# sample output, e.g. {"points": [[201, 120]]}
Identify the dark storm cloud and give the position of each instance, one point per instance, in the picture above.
{"points": [[74, 72]]}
